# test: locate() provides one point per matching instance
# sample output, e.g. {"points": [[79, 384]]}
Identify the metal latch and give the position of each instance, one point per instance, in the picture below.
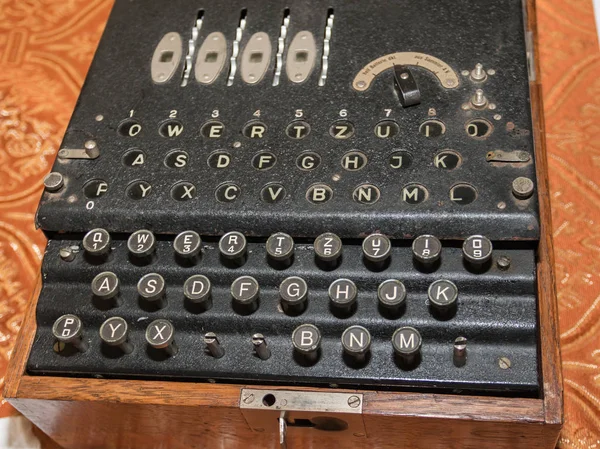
{"points": [[285, 412], [90, 151], [514, 157]]}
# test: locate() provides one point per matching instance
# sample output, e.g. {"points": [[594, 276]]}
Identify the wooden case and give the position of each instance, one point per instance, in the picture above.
{"points": [[92, 413]]}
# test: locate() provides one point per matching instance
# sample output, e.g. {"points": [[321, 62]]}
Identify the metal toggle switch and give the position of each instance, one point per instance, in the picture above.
{"points": [[406, 86]]}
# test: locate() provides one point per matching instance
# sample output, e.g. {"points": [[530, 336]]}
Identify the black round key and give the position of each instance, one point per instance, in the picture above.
{"points": [[376, 248], [477, 249], [406, 342], [151, 287], [160, 334], [306, 340], [68, 329], [141, 243], [115, 332], [233, 246], [293, 292], [356, 341], [391, 294], [105, 285], [442, 294], [245, 291], [280, 248], [328, 247], [197, 289], [187, 244], [97, 242], [342, 293], [427, 249]]}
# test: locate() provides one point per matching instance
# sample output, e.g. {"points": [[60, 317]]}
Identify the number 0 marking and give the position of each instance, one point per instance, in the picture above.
{"points": [[89, 205]]}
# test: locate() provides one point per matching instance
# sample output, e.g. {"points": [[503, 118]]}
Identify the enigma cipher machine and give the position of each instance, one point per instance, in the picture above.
{"points": [[299, 224]]}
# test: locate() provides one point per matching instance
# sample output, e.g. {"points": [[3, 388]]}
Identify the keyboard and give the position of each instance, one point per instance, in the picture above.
{"points": [[316, 194]]}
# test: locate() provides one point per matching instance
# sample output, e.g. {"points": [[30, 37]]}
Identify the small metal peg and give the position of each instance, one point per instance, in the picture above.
{"points": [[479, 100], [260, 346], [91, 149], [53, 181], [212, 344], [68, 253], [460, 352], [478, 74]]}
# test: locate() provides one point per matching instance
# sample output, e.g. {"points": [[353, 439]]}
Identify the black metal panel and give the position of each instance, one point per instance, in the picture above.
{"points": [[460, 32], [496, 313]]}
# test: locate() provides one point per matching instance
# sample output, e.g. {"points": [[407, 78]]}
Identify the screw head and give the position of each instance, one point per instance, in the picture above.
{"points": [[460, 343], [504, 363], [503, 262], [53, 181], [354, 401], [249, 399], [66, 254]]}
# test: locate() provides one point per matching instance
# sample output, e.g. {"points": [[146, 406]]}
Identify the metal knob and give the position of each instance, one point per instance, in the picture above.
{"points": [[105, 286], [477, 250], [377, 249], [197, 289], [280, 249], [245, 292], [328, 250], [160, 335], [141, 243], [152, 288], [342, 294], [233, 247], [187, 244], [356, 342], [97, 242], [391, 295], [68, 330], [427, 249], [115, 332], [306, 340], [406, 342], [293, 292]]}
